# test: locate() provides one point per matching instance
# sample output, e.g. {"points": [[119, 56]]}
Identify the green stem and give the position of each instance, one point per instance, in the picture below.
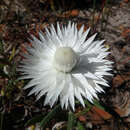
{"points": [[71, 119], [83, 112]]}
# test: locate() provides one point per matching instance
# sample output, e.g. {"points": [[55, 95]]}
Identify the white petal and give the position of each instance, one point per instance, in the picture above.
{"points": [[59, 31], [57, 93], [36, 89], [65, 95], [78, 91], [87, 43], [71, 96], [45, 86], [82, 79], [81, 31], [91, 76], [73, 41], [81, 40], [93, 48], [79, 97], [32, 83], [96, 86], [102, 83], [54, 92]]}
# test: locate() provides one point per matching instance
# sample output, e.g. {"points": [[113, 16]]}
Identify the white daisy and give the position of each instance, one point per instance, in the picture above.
{"points": [[63, 64]]}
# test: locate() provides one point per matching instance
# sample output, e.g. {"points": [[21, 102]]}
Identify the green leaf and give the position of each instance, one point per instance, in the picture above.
{"points": [[97, 104], [71, 119], [34, 120], [12, 54], [80, 126], [87, 103], [49, 116], [83, 112]]}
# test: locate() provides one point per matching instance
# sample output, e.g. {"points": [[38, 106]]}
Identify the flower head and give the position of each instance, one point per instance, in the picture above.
{"points": [[63, 64]]}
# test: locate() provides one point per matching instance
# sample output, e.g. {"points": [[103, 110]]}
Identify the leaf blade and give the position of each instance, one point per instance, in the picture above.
{"points": [[49, 116], [71, 119]]}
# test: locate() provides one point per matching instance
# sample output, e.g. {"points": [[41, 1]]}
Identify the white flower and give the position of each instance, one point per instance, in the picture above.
{"points": [[63, 64]]}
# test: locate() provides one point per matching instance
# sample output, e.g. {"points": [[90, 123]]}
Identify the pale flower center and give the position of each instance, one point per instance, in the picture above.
{"points": [[65, 59]]}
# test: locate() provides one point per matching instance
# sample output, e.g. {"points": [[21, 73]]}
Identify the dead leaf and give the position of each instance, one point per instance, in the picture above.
{"points": [[125, 61], [121, 27], [97, 116], [79, 25], [74, 12], [126, 33], [125, 111], [103, 114], [126, 1], [117, 81], [96, 17], [94, 117], [82, 118]]}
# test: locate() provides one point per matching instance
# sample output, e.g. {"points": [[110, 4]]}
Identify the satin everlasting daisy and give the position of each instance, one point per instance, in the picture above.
{"points": [[62, 65]]}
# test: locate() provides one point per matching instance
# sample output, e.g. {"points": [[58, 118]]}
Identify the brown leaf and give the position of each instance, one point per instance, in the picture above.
{"points": [[79, 25], [125, 111], [74, 12], [117, 81], [94, 117], [126, 1], [82, 118], [126, 33], [97, 116], [103, 114]]}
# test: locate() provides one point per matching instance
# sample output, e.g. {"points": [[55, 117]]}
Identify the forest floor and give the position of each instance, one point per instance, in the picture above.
{"points": [[19, 19]]}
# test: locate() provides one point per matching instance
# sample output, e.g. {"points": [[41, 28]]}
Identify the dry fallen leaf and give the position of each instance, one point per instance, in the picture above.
{"points": [[97, 116], [124, 111], [126, 1], [103, 114], [126, 33], [82, 118], [74, 12], [117, 81]]}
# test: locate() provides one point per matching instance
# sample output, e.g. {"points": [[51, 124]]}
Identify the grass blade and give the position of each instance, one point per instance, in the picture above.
{"points": [[97, 104], [71, 119], [34, 120], [80, 126], [49, 116]]}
